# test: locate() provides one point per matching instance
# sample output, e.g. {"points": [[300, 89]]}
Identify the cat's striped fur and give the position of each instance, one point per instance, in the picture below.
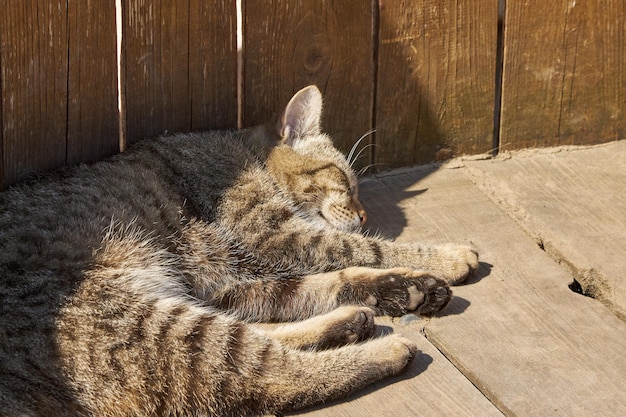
{"points": [[130, 287]]}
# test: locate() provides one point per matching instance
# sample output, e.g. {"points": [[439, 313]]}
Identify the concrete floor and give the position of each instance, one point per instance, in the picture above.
{"points": [[517, 339]]}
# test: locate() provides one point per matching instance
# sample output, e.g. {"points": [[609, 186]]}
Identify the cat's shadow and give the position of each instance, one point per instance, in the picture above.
{"points": [[385, 217], [483, 271]]}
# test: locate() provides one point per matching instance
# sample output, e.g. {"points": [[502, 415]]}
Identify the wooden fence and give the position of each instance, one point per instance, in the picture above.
{"points": [[433, 77]]}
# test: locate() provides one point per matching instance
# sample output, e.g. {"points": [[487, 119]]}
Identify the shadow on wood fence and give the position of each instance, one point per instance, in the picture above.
{"points": [[430, 76]]}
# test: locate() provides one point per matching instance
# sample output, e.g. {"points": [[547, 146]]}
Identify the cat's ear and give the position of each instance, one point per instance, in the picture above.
{"points": [[302, 116]]}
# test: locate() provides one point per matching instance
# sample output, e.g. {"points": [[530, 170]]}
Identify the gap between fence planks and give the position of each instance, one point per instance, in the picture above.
{"points": [[180, 66], [436, 80]]}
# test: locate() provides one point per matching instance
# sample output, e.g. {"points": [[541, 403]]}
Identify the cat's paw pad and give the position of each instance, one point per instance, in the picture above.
{"points": [[400, 291], [438, 295], [349, 324], [457, 262]]}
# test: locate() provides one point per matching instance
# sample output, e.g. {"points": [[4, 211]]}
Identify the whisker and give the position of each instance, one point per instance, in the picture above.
{"points": [[356, 158], [362, 171], [356, 145], [368, 179]]}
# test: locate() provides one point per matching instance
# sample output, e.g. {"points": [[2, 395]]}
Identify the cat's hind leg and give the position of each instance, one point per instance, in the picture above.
{"points": [[171, 356]]}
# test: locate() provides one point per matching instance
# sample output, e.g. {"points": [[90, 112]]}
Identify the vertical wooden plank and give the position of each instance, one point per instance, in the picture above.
{"points": [[288, 45], [436, 79], [563, 80], [34, 71], [176, 53], [156, 57], [93, 119], [2, 174], [213, 64]]}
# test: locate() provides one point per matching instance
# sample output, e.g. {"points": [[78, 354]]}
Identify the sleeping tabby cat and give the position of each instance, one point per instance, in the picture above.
{"points": [[130, 287]]}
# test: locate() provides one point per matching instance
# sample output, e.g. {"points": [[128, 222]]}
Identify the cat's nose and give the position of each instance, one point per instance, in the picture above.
{"points": [[359, 209], [362, 216]]}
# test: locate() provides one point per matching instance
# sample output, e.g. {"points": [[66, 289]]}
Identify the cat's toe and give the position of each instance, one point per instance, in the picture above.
{"points": [[437, 296], [427, 294], [362, 325], [393, 353], [471, 257], [463, 261]]}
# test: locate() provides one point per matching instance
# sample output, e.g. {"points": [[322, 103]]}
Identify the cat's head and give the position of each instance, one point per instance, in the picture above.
{"points": [[307, 166]]}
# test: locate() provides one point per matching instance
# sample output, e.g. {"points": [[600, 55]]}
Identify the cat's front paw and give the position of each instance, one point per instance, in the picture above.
{"points": [[454, 262]]}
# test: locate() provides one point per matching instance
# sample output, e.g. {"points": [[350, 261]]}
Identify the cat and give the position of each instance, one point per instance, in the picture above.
{"points": [[132, 286]]}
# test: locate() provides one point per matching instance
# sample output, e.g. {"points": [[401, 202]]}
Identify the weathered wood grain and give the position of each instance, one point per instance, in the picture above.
{"points": [[436, 80], [288, 45], [93, 117], [34, 73], [156, 83], [564, 66], [2, 173], [213, 64], [180, 66], [544, 190], [529, 343]]}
